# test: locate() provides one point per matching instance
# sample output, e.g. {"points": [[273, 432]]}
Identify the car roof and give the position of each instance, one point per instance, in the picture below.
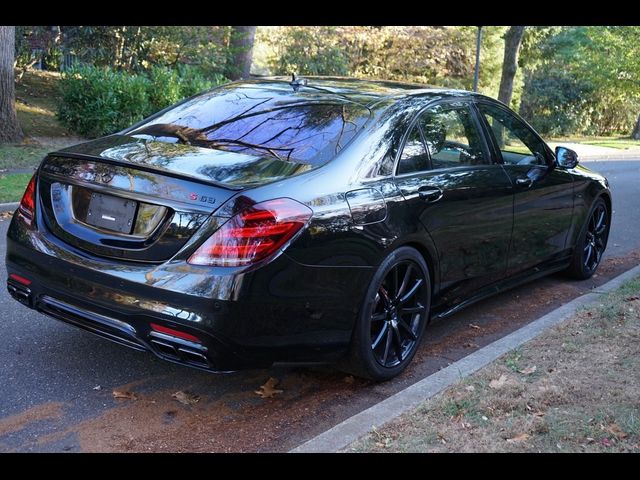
{"points": [[362, 91]]}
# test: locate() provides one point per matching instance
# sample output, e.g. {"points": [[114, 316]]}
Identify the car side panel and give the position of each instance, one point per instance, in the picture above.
{"points": [[470, 225], [543, 216]]}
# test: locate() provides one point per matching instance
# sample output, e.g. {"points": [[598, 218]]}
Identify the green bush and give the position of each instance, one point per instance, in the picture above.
{"points": [[556, 103], [193, 80], [100, 101], [164, 88]]}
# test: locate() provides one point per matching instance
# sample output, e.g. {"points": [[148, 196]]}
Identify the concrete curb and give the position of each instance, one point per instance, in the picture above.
{"points": [[5, 207], [360, 424]]}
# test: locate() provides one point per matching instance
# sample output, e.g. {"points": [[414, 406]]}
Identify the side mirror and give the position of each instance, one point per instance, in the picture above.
{"points": [[566, 157]]}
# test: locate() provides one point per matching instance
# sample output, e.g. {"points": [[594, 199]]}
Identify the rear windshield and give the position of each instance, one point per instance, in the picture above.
{"points": [[304, 127]]}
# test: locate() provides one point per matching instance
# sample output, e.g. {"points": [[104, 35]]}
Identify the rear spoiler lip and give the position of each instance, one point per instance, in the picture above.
{"points": [[168, 173]]}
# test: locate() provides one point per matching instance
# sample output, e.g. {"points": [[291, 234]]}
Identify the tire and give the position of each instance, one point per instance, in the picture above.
{"points": [[391, 325], [591, 242]]}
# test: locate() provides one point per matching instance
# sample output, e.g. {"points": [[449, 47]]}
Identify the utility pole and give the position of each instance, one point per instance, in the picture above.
{"points": [[477, 72]]}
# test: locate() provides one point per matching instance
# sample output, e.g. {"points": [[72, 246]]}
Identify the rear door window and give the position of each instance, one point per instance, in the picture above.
{"points": [[444, 136]]}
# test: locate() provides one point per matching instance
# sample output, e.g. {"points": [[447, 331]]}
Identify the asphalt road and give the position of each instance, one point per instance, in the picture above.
{"points": [[57, 381]]}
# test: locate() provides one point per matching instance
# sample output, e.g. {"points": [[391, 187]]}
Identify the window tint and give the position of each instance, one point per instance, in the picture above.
{"points": [[451, 137], [300, 127], [414, 156], [516, 141]]}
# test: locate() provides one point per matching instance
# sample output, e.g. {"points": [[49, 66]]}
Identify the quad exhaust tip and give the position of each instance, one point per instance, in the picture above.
{"points": [[179, 346]]}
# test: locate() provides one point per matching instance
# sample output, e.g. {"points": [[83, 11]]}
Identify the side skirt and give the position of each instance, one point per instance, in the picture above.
{"points": [[502, 286]]}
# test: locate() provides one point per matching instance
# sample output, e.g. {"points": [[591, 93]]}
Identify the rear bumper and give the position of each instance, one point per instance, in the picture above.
{"points": [[132, 333], [281, 312]]}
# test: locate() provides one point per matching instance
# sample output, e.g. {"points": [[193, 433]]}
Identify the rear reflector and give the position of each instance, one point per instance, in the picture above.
{"points": [[19, 279], [175, 333], [253, 234]]}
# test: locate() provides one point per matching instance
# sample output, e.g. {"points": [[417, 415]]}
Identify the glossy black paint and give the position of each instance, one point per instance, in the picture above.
{"points": [[479, 230]]}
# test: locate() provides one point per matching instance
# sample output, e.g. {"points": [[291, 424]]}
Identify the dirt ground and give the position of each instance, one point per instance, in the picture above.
{"points": [[573, 389]]}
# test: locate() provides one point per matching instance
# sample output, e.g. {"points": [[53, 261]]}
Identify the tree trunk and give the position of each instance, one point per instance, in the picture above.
{"points": [[512, 41], [10, 131], [241, 44], [636, 130]]}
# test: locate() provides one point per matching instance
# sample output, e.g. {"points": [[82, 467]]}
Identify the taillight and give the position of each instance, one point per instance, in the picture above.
{"points": [[253, 234], [27, 208]]}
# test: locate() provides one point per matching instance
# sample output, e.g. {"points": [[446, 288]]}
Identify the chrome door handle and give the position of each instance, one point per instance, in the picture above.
{"points": [[430, 194], [524, 181]]}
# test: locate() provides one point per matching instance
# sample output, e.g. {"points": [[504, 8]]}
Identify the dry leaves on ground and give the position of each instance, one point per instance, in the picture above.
{"points": [[5, 216], [186, 398], [268, 390], [498, 383], [124, 394], [528, 370], [519, 438], [616, 431]]}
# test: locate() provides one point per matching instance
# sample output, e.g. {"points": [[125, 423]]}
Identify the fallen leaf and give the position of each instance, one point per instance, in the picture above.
{"points": [[268, 390], [616, 431], [631, 299], [471, 345], [97, 387], [539, 413], [519, 438], [528, 370], [186, 398], [349, 379], [474, 326], [5, 216], [470, 388], [124, 394], [590, 440], [606, 442], [499, 383]]}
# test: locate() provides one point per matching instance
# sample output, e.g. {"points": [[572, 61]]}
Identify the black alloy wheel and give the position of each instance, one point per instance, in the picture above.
{"points": [[393, 318], [596, 238], [592, 242]]}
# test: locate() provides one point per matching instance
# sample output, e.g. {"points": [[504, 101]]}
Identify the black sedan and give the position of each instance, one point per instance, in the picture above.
{"points": [[325, 220]]}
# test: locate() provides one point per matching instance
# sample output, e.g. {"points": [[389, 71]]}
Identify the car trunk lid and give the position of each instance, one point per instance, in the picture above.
{"points": [[139, 200]]}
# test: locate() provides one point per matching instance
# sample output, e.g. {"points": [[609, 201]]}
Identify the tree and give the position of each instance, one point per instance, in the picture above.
{"points": [[10, 131], [512, 41], [241, 43]]}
